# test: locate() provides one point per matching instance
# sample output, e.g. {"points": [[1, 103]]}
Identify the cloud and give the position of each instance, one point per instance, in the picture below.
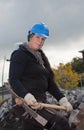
{"points": [[65, 21], [64, 18]]}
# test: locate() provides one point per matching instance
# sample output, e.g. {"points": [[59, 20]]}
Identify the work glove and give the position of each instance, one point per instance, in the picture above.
{"points": [[32, 102], [64, 102]]}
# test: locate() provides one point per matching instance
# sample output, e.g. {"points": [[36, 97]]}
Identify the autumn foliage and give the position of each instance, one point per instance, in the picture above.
{"points": [[66, 77]]}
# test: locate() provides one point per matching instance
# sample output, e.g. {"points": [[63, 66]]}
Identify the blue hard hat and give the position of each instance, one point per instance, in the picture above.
{"points": [[40, 29]]}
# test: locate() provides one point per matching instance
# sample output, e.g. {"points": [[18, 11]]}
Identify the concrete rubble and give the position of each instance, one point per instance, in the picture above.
{"points": [[75, 118]]}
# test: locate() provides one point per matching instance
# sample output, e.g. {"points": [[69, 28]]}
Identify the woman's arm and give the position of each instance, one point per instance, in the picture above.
{"points": [[54, 90], [16, 70]]}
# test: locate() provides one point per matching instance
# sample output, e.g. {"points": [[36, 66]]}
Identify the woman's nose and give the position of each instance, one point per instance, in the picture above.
{"points": [[40, 40]]}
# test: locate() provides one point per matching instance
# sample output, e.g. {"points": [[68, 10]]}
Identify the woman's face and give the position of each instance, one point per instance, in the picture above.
{"points": [[36, 42]]}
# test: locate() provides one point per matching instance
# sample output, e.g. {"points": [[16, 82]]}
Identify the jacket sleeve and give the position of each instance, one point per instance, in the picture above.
{"points": [[54, 90], [16, 70]]}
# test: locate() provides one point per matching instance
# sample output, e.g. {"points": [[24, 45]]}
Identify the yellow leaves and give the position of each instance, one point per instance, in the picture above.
{"points": [[1, 100], [65, 77]]}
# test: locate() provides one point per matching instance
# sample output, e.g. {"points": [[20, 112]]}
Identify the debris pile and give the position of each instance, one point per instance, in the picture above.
{"points": [[76, 98], [10, 121], [8, 118]]}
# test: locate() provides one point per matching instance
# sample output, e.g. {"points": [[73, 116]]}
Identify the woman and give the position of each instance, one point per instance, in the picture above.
{"points": [[30, 76]]}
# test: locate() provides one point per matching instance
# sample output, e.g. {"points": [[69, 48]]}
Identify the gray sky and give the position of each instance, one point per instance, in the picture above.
{"points": [[64, 18]]}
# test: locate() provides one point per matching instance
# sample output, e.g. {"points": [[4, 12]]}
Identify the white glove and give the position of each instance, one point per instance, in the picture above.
{"points": [[31, 101], [64, 102]]}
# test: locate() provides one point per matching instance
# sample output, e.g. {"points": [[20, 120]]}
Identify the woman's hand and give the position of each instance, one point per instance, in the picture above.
{"points": [[32, 102], [64, 102]]}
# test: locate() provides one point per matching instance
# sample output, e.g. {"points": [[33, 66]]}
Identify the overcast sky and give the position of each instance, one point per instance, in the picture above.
{"points": [[65, 19]]}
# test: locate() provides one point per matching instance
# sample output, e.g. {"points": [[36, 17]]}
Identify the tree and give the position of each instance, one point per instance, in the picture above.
{"points": [[77, 64], [65, 76]]}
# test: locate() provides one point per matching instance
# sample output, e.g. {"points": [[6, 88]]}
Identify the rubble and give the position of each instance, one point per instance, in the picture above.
{"points": [[8, 117], [9, 120]]}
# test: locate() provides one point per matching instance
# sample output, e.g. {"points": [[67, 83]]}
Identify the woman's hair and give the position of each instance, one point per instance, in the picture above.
{"points": [[47, 64], [29, 36]]}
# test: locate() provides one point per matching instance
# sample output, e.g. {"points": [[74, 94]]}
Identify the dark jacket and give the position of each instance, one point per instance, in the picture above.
{"points": [[27, 75]]}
